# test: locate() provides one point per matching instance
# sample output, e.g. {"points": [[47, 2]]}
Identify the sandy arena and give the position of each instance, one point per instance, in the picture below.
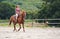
{"points": [[30, 33]]}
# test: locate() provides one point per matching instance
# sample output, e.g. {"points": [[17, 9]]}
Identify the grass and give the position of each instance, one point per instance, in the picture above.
{"points": [[3, 21], [6, 22], [3, 24]]}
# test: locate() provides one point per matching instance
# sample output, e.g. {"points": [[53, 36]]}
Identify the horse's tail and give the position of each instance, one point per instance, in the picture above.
{"points": [[10, 21]]}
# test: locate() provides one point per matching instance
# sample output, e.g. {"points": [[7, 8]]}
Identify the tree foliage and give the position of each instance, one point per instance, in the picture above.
{"points": [[6, 10], [50, 9], [38, 8]]}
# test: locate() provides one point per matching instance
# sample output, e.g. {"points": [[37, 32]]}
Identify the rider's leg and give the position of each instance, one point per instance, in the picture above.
{"points": [[16, 16]]}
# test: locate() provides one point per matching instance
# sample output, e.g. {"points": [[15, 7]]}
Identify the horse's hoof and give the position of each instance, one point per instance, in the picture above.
{"points": [[23, 30], [13, 30], [16, 31]]}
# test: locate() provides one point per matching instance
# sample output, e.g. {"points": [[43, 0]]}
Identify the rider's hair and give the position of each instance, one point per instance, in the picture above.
{"points": [[17, 6]]}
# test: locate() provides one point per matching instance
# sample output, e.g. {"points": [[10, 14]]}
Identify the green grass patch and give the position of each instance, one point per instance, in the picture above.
{"points": [[7, 24], [3, 24], [4, 21]]}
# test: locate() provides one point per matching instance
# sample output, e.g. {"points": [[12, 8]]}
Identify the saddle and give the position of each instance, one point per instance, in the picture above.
{"points": [[15, 16]]}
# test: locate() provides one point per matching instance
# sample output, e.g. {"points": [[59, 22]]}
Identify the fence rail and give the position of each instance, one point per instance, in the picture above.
{"points": [[47, 21]]}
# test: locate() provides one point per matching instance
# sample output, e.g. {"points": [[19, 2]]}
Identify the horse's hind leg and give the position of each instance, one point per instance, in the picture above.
{"points": [[19, 27], [14, 27]]}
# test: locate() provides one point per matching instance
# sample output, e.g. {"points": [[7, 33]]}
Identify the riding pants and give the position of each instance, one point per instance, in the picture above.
{"points": [[16, 16]]}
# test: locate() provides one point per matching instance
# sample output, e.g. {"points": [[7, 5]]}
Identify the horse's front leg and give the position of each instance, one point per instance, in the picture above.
{"points": [[23, 27], [19, 27]]}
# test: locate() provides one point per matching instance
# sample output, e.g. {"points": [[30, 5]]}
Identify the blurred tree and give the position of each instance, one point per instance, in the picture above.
{"points": [[6, 10], [54, 8], [1, 0], [50, 9]]}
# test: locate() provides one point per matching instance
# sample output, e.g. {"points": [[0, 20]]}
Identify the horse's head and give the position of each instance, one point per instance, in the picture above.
{"points": [[22, 14]]}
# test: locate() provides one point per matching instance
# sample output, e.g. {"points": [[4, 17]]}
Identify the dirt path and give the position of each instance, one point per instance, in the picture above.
{"points": [[31, 33]]}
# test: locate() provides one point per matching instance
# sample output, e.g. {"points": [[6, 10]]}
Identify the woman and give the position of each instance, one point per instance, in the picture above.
{"points": [[17, 11]]}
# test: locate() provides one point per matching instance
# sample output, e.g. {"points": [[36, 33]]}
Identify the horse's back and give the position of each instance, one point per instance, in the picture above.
{"points": [[13, 17]]}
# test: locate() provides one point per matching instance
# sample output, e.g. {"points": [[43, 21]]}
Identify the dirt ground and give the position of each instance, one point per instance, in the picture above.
{"points": [[30, 33]]}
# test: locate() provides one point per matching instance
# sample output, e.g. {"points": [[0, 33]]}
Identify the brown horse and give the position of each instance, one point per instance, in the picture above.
{"points": [[20, 20]]}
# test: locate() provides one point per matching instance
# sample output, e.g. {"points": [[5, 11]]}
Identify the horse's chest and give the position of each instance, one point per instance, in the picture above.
{"points": [[20, 20]]}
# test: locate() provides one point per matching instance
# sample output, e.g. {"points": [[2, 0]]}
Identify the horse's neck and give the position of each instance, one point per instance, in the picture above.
{"points": [[21, 16]]}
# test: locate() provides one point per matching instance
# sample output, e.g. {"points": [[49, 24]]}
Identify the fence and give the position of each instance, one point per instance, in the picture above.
{"points": [[34, 22], [45, 22]]}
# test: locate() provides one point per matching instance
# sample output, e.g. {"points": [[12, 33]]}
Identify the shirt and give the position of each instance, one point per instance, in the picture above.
{"points": [[17, 10]]}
